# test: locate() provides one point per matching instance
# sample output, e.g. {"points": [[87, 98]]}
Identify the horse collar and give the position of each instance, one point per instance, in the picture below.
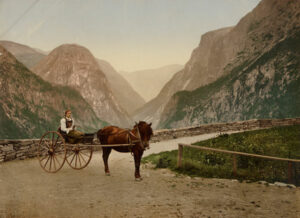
{"points": [[139, 136]]}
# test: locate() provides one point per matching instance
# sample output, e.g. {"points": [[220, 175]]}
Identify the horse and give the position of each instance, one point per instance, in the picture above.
{"points": [[139, 136]]}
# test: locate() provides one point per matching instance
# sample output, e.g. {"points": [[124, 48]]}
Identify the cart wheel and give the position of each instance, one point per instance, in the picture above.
{"points": [[78, 157], [52, 151]]}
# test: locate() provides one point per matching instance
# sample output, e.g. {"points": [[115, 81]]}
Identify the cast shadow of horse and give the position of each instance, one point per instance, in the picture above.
{"points": [[139, 136]]}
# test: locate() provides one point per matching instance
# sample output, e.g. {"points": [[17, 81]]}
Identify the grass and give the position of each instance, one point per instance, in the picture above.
{"points": [[278, 142]]}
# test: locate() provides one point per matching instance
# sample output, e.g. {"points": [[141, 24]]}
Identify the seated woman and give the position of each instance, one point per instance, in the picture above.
{"points": [[67, 129]]}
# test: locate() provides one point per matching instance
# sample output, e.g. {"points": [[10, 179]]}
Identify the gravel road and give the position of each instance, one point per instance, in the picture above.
{"points": [[27, 191]]}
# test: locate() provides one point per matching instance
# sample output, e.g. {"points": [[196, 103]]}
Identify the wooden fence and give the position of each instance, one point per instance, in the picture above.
{"points": [[234, 159]]}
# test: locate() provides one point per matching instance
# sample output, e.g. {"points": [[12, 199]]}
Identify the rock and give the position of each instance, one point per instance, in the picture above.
{"points": [[8, 148], [291, 186], [280, 184], [10, 157], [262, 182]]}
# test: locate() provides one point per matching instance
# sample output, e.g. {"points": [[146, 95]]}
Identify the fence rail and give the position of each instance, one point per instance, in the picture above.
{"points": [[235, 153]]}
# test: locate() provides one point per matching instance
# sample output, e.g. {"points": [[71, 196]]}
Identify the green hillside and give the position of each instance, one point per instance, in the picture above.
{"points": [[29, 106]]}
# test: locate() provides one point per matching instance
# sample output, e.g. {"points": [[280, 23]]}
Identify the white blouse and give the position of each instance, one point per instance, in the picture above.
{"points": [[63, 126]]}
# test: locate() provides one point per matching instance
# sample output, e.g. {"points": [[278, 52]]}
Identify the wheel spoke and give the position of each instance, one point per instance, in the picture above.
{"points": [[50, 162], [56, 142], [76, 161], [72, 159], [43, 158], [79, 159], [85, 154], [82, 158], [47, 161], [44, 142], [70, 154], [55, 156], [54, 165]]}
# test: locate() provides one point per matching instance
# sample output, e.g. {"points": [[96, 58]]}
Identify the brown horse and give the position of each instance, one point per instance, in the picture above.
{"points": [[139, 136]]}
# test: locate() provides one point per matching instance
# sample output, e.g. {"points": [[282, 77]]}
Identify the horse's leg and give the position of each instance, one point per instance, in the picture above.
{"points": [[105, 155], [137, 161]]}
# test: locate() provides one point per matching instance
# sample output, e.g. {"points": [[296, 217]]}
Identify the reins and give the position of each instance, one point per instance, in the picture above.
{"points": [[139, 136], [129, 132]]}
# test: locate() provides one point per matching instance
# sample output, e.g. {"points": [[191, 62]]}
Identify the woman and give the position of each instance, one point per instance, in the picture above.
{"points": [[67, 128]]}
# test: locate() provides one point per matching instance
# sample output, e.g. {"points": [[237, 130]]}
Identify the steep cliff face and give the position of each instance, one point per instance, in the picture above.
{"points": [[268, 87], [74, 66], [261, 81], [204, 67], [29, 106], [221, 51], [129, 99], [150, 82], [26, 55]]}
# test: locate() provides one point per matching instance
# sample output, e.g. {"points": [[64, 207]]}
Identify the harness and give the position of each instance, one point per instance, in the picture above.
{"points": [[129, 132]]}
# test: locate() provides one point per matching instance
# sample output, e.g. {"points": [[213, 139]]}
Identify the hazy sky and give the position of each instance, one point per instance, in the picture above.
{"points": [[130, 34]]}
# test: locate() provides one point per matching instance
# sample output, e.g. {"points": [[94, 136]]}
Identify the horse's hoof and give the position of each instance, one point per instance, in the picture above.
{"points": [[139, 179], [107, 174]]}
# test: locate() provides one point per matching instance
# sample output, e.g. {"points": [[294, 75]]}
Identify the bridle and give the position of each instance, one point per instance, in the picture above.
{"points": [[140, 138]]}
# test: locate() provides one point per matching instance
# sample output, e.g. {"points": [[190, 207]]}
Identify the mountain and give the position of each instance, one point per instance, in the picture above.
{"points": [[221, 51], [26, 55], [129, 99], [148, 83], [30, 106], [74, 66], [263, 79]]}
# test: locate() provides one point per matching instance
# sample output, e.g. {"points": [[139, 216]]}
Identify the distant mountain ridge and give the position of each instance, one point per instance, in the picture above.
{"points": [[262, 81], [126, 96], [26, 55], [148, 83], [73, 65], [29, 106]]}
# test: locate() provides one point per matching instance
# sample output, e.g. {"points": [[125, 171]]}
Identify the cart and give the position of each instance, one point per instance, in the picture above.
{"points": [[54, 150]]}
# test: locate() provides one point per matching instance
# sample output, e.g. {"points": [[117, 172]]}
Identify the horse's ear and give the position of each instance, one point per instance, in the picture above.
{"points": [[150, 124]]}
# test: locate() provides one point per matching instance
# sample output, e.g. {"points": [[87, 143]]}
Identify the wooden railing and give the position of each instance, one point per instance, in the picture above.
{"points": [[235, 153]]}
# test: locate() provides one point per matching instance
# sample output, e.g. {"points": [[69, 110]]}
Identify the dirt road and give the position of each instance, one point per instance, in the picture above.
{"points": [[27, 191]]}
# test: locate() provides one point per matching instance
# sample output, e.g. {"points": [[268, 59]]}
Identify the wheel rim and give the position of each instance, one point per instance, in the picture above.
{"points": [[52, 151], [78, 157]]}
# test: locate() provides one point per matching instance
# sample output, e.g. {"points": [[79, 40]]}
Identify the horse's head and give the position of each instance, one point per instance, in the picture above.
{"points": [[145, 131]]}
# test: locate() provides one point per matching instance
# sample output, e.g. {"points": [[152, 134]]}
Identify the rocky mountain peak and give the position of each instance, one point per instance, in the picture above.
{"points": [[75, 66], [74, 53]]}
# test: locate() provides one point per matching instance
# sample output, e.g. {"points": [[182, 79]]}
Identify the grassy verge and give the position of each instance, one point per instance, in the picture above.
{"points": [[278, 142]]}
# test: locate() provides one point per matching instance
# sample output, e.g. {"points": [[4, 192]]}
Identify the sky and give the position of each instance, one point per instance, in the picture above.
{"points": [[130, 34]]}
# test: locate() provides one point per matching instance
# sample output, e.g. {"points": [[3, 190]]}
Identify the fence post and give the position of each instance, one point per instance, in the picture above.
{"points": [[290, 172], [234, 164], [179, 159]]}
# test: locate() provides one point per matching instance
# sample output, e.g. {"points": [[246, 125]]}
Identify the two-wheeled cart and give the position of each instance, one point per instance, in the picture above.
{"points": [[54, 150]]}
